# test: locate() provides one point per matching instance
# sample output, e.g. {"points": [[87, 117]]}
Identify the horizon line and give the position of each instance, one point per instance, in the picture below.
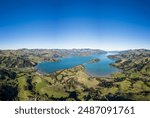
{"points": [[73, 49]]}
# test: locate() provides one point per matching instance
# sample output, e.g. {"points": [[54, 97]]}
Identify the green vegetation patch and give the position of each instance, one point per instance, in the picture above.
{"points": [[23, 93], [124, 86], [55, 91]]}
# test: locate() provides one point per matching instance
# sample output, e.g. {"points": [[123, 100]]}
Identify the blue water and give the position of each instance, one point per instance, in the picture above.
{"points": [[101, 68]]}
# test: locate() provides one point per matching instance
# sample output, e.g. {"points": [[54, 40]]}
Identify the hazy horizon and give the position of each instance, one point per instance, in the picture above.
{"points": [[71, 49], [66, 24]]}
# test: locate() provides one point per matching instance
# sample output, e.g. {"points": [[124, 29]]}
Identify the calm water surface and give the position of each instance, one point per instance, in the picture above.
{"points": [[101, 68]]}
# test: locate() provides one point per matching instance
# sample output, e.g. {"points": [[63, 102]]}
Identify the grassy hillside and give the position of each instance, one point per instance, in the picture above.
{"points": [[19, 80]]}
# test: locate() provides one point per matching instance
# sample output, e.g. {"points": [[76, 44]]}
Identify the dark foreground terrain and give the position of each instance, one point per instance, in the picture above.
{"points": [[19, 79]]}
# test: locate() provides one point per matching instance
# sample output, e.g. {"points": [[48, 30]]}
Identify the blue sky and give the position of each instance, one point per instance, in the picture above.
{"points": [[98, 24]]}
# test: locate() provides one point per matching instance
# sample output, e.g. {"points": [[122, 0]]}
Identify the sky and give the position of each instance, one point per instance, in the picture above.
{"points": [[67, 24]]}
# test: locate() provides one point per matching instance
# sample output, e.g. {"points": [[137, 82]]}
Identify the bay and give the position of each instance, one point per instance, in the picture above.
{"points": [[101, 68]]}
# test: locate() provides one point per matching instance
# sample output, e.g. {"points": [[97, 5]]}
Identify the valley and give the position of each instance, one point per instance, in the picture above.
{"points": [[20, 80]]}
